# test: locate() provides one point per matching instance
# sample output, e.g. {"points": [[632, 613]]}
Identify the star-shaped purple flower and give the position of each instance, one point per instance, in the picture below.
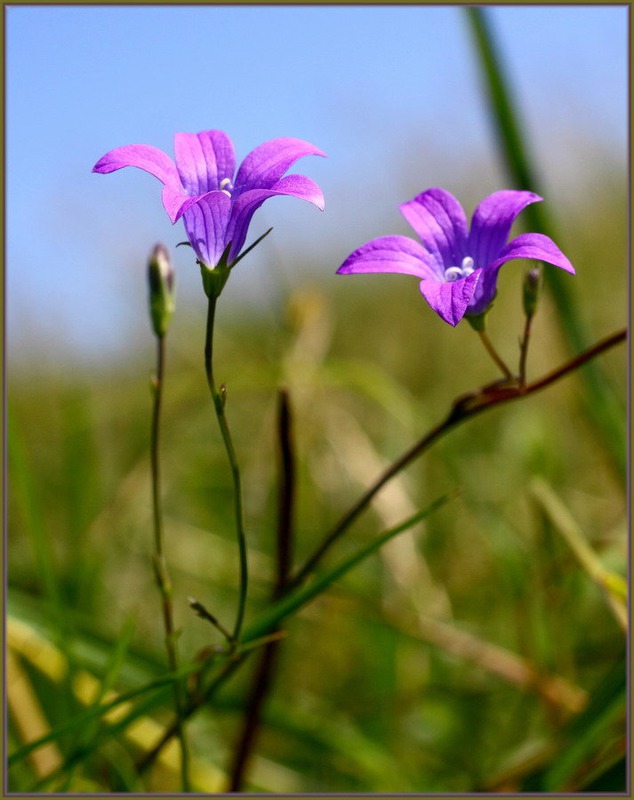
{"points": [[202, 186], [458, 267]]}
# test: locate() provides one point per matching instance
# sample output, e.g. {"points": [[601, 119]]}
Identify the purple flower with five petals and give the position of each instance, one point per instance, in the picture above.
{"points": [[201, 185], [457, 267]]}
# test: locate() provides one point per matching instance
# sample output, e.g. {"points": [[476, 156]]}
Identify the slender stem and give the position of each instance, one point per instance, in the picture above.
{"points": [[463, 408], [219, 406], [264, 675], [160, 564], [157, 385], [494, 355]]}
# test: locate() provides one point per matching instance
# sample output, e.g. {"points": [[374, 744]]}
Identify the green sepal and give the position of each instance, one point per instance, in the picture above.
{"points": [[214, 278], [477, 321]]}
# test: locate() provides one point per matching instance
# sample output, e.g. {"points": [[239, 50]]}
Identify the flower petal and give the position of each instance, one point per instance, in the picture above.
{"points": [[176, 203], [143, 156], [492, 221], [154, 161], [206, 225], [204, 160], [450, 300], [301, 187], [246, 204], [439, 220], [390, 254], [537, 247], [265, 165]]}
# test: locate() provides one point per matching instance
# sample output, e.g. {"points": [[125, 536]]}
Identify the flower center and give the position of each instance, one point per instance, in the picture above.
{"points": [[456, 273], [226, 186]]}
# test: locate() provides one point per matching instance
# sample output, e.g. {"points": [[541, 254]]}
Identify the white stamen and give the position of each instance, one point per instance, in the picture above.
{"points": [[453, 274], [467, 265], [226, 182], [456, 273]]}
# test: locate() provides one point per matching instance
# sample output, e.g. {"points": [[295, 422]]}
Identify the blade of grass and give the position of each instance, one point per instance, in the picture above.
{"points": [[29, 718], [600, 401], [86, 686], [586, 739], [613, 586], [157, 687], [112, 672]]}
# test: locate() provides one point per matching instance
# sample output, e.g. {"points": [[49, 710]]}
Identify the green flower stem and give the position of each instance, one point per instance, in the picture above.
{"points": [[219, 406], [160, 564], [494, 355]]}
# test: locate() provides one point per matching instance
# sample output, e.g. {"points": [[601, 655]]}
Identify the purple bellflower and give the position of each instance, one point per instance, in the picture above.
{"points": [[457, 267], [202, 187]]}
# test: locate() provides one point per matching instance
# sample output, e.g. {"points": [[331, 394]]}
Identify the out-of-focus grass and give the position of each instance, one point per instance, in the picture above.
{"points": [[460, 658]]}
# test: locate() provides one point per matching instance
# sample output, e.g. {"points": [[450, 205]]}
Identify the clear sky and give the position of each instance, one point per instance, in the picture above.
{"points": [[391, 93]]}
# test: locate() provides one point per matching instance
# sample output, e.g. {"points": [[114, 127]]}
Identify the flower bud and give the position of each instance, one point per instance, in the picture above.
{"points": [[532, 281], [161, 283]]}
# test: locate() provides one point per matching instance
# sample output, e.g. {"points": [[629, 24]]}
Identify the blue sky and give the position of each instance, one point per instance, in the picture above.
{"points": [[391, 93]]}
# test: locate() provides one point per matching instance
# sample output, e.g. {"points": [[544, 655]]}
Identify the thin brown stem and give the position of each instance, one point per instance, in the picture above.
{"points": [[264, 675], [286, 500], [463, 408]]}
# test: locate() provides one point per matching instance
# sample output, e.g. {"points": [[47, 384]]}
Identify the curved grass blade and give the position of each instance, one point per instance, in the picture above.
{"points": [[601, 403]]}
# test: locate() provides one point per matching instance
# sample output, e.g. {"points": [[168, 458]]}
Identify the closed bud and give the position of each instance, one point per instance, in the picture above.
{"points": [[532, 281], [161, 283]]}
